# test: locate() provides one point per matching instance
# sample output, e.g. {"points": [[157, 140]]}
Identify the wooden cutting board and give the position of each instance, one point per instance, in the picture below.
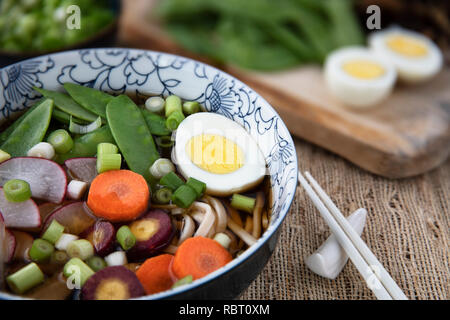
{"points": [[406, 135]]}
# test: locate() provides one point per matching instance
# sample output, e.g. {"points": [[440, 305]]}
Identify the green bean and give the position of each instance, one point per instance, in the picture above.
{"points": [[91, 99], [86, 145], [30, 131], [131, 134], [65, 103], [155, 123]]}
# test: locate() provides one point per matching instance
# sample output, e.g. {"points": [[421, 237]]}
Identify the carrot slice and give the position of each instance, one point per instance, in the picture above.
{"points": [[199, 256], [154, 274], [118, 195]]}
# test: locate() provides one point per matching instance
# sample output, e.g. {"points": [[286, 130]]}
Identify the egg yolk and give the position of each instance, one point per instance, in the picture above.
{"points": [[363, 69], [407, 46], [215, 153]]}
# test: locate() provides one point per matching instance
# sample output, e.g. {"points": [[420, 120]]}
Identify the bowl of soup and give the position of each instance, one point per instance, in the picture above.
{"points": [[134, 174]]}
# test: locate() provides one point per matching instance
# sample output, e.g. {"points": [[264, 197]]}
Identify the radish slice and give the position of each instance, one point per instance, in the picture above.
{"points": [[47, 179], [23, 214], [73, 217], [10, 245], [84, 169]]}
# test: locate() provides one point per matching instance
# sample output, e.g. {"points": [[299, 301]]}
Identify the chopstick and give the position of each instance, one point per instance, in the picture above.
{"points": [[380, 282]]}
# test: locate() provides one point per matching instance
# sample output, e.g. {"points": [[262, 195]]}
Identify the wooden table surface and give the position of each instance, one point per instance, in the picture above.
{"points": [[407, 229]]}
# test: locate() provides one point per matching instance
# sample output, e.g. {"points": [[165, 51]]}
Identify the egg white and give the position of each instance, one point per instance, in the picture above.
{"points": [[249, 175], [409, 69], [353, 91]]}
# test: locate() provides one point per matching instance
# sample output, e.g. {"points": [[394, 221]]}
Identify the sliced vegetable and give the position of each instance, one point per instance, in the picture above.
{"points": [[53, 232], [29, 216], [17, 190], [60, 140], [29, 131], [80, 248], [83, 169], [163, 195], [107, 148], [46, 178], [199, 256], [102, 237], [164, 142], [243, 203], [153, 232], [10, 245], [42, 150], [171, 181], [118, 195], [76, 270], [174, 120], [155, 123], [41, 250], [4, 156], [131, 134], [155, 104], [76, 189], [96, 263], [108, 162], [173, 104], [112, 283], [73, 216], [184, 196], [83, 129], [155, 275], [64, 241], [223, 239], [59, 257], [91, 99], [191, 107], [118, 258], [197, 185], [126, 238], [161, 167], [25, 279], [65, 103], [183, 281]]}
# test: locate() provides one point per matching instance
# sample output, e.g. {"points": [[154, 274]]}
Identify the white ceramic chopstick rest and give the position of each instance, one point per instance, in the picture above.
{"points": [[329, 259]]}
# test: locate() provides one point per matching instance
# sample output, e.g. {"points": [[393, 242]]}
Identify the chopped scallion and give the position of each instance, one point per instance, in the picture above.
{"points": [[161, 167], [77, 268], [96, 263], [107, 162], [191, 107], [171, 181], [107, 148], [183, 281], [41, 250], [243, 203], [25, 279], [155, 104], [174, 120], [61, 141], [197, 185], [125, 237], [17, 190], [173, 104], [163, 195], [53, 232], [82, 129], [184, 196], [81, 248]]}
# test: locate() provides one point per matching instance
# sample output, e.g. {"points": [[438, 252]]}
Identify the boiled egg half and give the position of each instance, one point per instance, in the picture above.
{"points": [[415, 56], [359, 77], [218, 151]]}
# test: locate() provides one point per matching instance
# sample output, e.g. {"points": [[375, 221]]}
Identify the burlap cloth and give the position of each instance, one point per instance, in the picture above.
{"points": [[407, 229]]}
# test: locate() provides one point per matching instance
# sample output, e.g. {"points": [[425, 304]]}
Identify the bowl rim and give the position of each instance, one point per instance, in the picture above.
{"points": [[270, 231]]}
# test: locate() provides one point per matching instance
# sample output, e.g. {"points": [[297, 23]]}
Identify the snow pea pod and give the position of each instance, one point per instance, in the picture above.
{"points": [[91, 99], [155, 123], [65, 103], [30, 131], [131, 134], [86, 145]]}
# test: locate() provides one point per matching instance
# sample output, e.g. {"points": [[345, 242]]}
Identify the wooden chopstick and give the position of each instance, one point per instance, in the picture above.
{"points": [[385, 278], [366, 272]]}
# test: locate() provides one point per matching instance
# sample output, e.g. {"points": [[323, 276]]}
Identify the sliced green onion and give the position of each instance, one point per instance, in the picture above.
{"points": [[107, 148], [77, 268], [164, 141], [4, 156], [17, 190], [53, 232], [173, 104], [61, 141], [197, 185], [59, 257], [183, 281], [42, 150], [107, 162], [161, 167], [125, 237], [155, 104], [118, 258], [96, 263], [223, 239], [82, 129], [174, 120], [163, 195], [64, 241], [41, 250], [25, 279], [171, 181], [81, 248], [243, 203], [191, 107], [184, 196], [76, 189]]}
